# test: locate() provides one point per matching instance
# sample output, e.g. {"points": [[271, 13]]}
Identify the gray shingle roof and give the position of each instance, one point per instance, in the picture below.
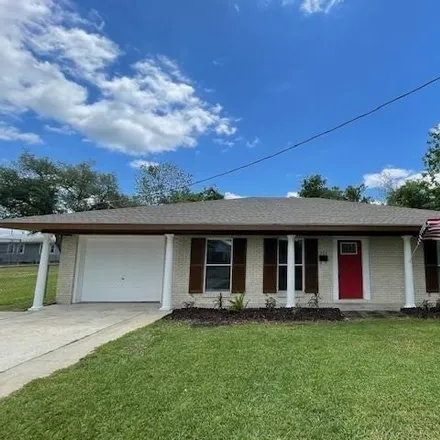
{"points": [[258, 212]]}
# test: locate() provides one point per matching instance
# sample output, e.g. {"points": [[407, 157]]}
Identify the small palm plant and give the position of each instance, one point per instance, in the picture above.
{"points": [[238, 304], [218, 302]]}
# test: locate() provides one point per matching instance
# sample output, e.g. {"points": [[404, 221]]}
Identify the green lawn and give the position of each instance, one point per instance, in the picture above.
{"points": [[349, 380], [17, 284]]}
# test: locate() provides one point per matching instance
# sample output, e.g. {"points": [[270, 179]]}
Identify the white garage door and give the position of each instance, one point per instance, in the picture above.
{"points": [[121, 269]]}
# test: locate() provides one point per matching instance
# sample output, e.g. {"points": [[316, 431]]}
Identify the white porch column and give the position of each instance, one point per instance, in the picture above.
{"points": [[290, 271], [409, 276], [40, 286], [167, 300]]}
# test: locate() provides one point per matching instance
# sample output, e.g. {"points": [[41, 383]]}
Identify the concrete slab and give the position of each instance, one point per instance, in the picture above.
{"points": [[35, 344]]}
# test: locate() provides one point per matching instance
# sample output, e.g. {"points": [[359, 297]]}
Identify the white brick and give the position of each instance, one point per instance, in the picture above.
{"points": [[386, 276], [66, 271]]}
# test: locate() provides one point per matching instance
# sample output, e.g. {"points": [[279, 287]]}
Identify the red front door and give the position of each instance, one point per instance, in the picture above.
{"points": [[350, 269]]}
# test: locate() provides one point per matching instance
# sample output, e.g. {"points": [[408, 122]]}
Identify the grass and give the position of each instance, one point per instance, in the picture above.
{"points": [[357, 380], [17, 284]]}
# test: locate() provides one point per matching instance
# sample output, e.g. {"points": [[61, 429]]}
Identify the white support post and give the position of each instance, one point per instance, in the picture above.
{"points": [[40, 286], [409, 275], [290, 271], [167, 301]]}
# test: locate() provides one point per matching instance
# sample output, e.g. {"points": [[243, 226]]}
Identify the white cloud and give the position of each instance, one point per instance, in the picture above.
{"points": [[9, 133], [253, 143], [224, 142], [292, 194], [63, 129], [217, 63], [230, 142], [49, 58], [140, 163], [230, 196], [237, 8], [314, 6], [390, 178], [96, 19]]}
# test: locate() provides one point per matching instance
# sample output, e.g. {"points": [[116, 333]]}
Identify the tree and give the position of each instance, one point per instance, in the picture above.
{"points": [[167, 183], [39, 186], [316, 186], [413, 194], [84, 189], [422, 193]]}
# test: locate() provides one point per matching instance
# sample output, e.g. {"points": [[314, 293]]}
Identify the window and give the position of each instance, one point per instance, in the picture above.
{"points": [[11, 248], [218, 265], [20, 248], [52, 248], [282, 264], [348, 248]]}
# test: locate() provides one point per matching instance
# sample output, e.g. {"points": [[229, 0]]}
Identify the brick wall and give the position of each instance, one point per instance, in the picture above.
{"points": [[386, 276], [66, 271]]}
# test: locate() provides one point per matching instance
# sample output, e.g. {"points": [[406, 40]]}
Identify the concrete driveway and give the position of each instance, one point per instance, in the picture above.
{"points": [[34, 344]]}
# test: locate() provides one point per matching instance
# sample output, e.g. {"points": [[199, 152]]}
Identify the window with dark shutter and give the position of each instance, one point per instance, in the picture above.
{"points": [[431, 266], [270, 265], [239, 265], [311, 265], [197, 265]]}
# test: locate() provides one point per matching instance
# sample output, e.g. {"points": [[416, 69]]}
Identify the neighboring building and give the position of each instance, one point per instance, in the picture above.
{"points": [[356, 256], [25, 249]]}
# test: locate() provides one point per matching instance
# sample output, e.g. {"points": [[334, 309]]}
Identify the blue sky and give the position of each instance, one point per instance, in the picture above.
{"points": [[212, 84]]}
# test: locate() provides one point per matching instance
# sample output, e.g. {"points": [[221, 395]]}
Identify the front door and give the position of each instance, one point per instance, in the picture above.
{"points": [[350, 269]]}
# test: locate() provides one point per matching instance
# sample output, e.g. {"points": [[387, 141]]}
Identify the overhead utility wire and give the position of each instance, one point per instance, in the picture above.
{"points": [[321, 134]]}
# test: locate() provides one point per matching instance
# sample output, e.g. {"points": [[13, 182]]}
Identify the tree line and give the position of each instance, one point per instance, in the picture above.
{"points": [[39, 185]]}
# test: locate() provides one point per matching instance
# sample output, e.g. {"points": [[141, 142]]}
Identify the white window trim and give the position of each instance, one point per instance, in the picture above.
{"points": [[52, 248], [213, 293], [283, 293], [366, 281], [355, 243], [11, 249], [21, 248]]}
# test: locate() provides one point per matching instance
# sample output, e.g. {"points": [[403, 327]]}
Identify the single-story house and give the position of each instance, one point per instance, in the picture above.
{"points": [[25, 249], [356, 256]]}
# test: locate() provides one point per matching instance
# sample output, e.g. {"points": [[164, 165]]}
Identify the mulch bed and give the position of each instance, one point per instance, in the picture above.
{"points": [[422, 312], [205, 316]]}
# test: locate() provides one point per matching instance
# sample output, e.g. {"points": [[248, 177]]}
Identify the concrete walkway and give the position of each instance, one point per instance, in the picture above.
{"points": [[35, 344]]}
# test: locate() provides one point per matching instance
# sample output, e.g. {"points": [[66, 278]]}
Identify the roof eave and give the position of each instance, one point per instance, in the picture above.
{"points": [[139, 228]]}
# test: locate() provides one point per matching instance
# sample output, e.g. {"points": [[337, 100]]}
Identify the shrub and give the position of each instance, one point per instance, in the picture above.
{"points": [[238, 304], [425, 306], [314, 300], [218, 302], [271, 303], [188, 304]]}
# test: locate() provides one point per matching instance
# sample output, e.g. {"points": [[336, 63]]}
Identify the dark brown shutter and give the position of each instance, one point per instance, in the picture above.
{"points": [[197, 265], [270, 265], [311, 265], [239, 265], [431, 266]]}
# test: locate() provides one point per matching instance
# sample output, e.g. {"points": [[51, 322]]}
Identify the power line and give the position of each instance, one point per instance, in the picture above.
{"points": [[321, 134]]}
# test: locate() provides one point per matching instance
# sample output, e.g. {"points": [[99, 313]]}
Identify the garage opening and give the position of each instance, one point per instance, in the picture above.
{"points": [[120, 269]]}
